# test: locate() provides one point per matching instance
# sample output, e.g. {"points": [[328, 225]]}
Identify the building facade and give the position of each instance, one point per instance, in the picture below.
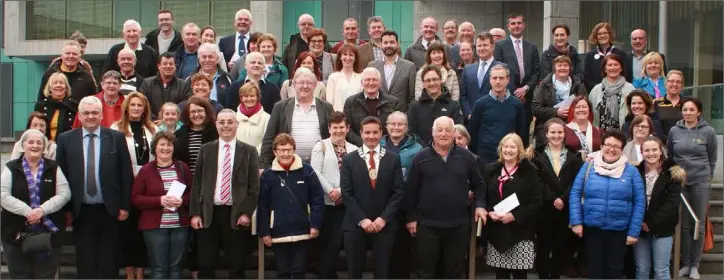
{"points": [[688, 32]]}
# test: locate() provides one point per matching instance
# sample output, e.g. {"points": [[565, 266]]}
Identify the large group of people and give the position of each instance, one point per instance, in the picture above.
{"points": [[191, 148]]}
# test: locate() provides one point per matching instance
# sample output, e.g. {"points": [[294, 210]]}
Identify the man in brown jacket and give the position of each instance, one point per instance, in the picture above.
{"points": [[223, 198]]}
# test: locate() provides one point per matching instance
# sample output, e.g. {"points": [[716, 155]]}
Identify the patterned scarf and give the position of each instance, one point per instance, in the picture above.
{"points": [[34, 189], [609, 106]]}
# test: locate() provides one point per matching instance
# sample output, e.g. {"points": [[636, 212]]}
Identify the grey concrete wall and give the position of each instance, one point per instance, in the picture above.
{"points": [[560, 12]]}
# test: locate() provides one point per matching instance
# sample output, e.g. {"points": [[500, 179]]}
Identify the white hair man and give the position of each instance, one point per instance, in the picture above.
{"points": [[237, 45], [466, 33], [146, 56], [96, 163], [369, 102], [165, 38], [80, 79], [303, 116], [255, 68]]}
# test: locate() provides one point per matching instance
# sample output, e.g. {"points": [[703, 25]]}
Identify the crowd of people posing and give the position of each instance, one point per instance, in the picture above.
{"points": [[354, 147]]}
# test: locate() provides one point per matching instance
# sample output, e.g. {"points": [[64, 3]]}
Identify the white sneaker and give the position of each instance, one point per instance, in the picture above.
{"points": [[694, 273], [684, 271]]}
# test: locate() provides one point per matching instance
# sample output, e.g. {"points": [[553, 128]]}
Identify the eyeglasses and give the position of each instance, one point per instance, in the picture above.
{"points": [[305, 83], [316, 41], [88, 113], [197, 112], [431, 80], [285, 151], [642, 126], [306, 24], [612, 146]]}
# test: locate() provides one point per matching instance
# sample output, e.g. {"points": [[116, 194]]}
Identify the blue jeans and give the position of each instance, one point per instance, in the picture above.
{"points": [[660, 248], [166, 248]]}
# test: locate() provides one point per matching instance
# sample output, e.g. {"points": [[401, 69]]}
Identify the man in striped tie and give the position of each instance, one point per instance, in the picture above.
{"points": [[223, 198]]}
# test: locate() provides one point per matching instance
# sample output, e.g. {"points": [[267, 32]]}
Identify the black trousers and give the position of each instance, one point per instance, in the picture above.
{"points": [[502, 273], [21, 266], [95, 233], [330, 241], [552, 242], [401, 262], [355, 245], [605, 250], [220, 236], [291, 259], [449, 245]]}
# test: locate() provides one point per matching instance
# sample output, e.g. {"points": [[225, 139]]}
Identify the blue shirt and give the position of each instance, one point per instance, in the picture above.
{"points": [[189, 65], [213, 95], [495, 97], [98, 198]]}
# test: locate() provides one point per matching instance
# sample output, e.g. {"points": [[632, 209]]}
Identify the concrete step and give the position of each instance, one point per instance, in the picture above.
{"points": [[712, 263], [718, 223], [717, 192], [716, 208]]}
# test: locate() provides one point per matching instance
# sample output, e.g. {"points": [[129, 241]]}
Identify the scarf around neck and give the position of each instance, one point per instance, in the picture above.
{"points": [[610, 93], [34, 182], [613, 170], [563, 90], [248, 112], [584, 137]]}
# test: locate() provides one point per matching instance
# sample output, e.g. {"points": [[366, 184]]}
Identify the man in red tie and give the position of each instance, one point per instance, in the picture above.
{"points": [[223, 198], [371, 182]]}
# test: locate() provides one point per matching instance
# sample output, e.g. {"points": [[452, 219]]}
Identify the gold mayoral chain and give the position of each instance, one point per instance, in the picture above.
{"points": [[373, 174]]}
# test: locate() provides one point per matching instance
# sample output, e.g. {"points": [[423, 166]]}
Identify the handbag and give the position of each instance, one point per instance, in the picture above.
{"points": [[709, 233], [34, 242]]}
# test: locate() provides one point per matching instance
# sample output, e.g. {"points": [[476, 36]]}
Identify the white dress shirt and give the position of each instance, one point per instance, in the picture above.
{"points": [[366, 157], [220, 170]]}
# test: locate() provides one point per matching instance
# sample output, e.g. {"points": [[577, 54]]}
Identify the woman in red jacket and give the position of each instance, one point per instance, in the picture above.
{"points": [[164, 214]]}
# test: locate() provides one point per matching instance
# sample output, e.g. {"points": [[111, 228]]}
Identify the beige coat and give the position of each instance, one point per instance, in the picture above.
{"points": [[339, 88], [251, 130], [451, 82]]}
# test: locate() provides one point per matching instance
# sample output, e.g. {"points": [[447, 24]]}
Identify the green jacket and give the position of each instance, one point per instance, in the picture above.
{"points": [[277, 74], [408, 151]]}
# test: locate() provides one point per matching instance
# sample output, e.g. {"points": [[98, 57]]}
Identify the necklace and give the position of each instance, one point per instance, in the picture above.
{"points": [[140, 153]]}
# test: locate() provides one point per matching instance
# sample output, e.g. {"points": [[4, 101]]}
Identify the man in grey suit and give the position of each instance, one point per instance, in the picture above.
{"points": [[224, 196], [523, 60], [304, 116], [398, 74]]}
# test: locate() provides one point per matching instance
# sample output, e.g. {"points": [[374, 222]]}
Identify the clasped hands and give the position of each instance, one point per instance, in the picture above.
{"points": [[35, 216], [336, 196], [373, 227], [171, 201]]}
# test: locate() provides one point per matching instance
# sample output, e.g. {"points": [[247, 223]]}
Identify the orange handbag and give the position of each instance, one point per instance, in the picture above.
{"points": [[709, 234]]}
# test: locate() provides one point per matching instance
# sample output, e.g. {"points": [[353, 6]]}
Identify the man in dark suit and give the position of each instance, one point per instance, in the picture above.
{"points": [[398, 74], [223, 198], [95, 160], [475, 78], [236, 46], [634, 59], [371, 182], [523, 59]]}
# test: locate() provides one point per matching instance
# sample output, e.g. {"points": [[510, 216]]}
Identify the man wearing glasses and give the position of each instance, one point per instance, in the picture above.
{"points": [[370, 102], [304, 117], [101, 193], [299, 43]]}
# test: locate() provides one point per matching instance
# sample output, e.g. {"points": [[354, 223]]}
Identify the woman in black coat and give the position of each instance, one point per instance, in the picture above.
{"points": [[602, 36], [664, 179], [557, 169], [57, 105], [510, 234]]}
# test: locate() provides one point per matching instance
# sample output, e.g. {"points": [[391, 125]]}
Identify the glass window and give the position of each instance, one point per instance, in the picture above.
{"points": [[45, 20], [624, 17], [335, 12]]}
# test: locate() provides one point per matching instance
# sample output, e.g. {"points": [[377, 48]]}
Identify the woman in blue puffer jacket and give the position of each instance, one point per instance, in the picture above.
{"points": [[607, 202]]}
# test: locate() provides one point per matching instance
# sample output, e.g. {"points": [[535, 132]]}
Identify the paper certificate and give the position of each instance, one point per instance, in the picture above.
{"points": [[507, 205], [176, 190], [566, 102]]}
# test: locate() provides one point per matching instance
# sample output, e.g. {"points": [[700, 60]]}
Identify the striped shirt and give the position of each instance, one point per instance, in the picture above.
{"points": [[129, 85], [169, 219], [194, 146], [305, 129]]}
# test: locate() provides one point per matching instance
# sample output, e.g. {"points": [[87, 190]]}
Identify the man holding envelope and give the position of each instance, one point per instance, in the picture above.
{"points": [[440, 178]]}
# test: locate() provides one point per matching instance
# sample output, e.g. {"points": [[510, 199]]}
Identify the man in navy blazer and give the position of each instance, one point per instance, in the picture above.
{"points": [[231, 44], [526, 75], [371, 183], [473, 87], [96, 162]]}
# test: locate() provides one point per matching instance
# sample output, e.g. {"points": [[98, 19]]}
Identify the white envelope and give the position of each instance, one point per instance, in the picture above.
{"points": [[176, 190], [507, 205]]}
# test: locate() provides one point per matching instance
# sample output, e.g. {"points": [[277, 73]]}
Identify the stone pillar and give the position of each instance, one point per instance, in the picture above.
{"points": [[268, 16], [560, 12]]}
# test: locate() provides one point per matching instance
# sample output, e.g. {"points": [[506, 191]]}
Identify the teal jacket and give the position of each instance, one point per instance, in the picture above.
{"points": [[408, 151], [162, 126], [277, 74]]}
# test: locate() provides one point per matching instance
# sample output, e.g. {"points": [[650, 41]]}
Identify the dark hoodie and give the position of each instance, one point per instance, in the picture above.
{"points": [[81, 82], [694, 149], [546, 61], [416, 52], [424, 111], [662, 210]]}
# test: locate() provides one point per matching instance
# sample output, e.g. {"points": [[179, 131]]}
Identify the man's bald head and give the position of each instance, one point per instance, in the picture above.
{"points": [[498, 34]]}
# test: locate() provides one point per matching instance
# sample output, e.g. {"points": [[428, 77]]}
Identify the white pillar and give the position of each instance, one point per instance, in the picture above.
{"points": [[662, 27]]}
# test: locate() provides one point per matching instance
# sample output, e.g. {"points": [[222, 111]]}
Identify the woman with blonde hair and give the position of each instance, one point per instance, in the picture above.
{"points": [[668, 108], [510, 234], [652, 76], [136, 124], [169, 117], [57, 105], [462, 136], [252, 119]]}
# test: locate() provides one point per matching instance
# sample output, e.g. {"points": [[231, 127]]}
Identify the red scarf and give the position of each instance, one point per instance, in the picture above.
{"points": [[248, 112], [286, 167]]}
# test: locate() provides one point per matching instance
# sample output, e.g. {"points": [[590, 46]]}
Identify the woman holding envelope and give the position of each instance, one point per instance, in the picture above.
{"points": [[607, 204], [553, 96], [513, 198], [164, 214]]}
